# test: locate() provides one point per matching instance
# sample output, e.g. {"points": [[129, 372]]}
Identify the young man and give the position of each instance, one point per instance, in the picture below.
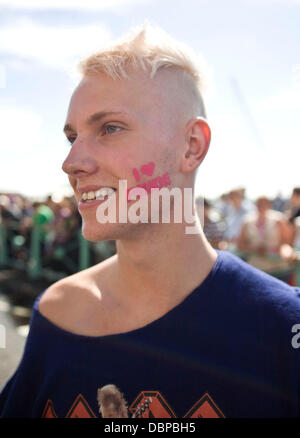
{"points": [[168, 318]]}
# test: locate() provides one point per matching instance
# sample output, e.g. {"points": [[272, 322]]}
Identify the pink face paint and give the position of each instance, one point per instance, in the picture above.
{"points": [[152, 184], [166, 179], [144, 186], [157, 182], [148, 169], [136, 174]]}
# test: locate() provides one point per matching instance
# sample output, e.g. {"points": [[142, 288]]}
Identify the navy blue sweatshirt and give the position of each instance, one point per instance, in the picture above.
{"points": [[229, 349]]}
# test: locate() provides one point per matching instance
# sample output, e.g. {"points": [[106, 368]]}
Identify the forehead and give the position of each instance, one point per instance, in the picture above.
{"points": [[98, 92]]}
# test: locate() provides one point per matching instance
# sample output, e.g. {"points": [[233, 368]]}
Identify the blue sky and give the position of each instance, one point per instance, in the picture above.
{"points": [[251, 46]]}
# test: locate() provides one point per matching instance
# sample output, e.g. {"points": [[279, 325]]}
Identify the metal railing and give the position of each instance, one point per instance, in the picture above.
{"points": [[33, 260], [34, 263]]}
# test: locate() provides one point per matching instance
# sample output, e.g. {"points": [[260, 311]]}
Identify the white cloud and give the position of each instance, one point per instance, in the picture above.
{"points": [[20, 137], [18, 126], [235, 160], [56, 46], [286, 100], [70, 4], [31, 163], [267, 3]]}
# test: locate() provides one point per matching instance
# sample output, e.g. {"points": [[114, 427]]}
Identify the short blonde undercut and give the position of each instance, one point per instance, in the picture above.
{"points": [[152, 49]]}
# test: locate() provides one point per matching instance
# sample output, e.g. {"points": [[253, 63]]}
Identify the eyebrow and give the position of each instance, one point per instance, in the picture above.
{"points": [[96, 117]]}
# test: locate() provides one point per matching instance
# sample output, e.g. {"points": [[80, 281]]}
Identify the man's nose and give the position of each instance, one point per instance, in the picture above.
{"points": [[79, 162]]}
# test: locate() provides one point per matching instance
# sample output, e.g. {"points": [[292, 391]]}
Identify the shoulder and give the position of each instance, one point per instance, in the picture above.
{"points": [[68, 300], [61, 296], [256, 292]]}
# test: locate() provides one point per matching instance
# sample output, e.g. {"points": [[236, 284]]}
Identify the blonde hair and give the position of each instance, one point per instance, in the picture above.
{"points": [[150, 48]]}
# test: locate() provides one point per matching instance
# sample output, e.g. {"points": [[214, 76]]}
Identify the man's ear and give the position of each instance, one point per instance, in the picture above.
{"points": [[197, 142]]}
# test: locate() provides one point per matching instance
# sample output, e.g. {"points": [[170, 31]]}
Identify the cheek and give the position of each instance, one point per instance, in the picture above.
{"points": [[170, 158], [132, 164], [72, 181], [123, 165]]}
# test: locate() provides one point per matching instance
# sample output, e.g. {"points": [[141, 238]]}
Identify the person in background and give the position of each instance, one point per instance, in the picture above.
{"points": [[235, 214], [213, 226], [223, 205], [296, 234], [279, 203], [262, 234], [246, 202], [294, 210], [291, 251]]}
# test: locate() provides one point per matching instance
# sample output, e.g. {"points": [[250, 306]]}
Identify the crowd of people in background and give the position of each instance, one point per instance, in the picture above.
{"points": [[265, 232], [59, 222]]}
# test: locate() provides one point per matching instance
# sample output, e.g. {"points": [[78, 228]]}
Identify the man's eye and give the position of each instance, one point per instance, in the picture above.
{"points": [[111, 129]]}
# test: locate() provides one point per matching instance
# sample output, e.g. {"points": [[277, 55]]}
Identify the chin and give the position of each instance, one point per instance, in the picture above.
{"points": [[101, 232], [97, 234]]}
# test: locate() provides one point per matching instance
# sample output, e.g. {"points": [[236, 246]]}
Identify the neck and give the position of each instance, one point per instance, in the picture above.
{"points": [[163, 266]]}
